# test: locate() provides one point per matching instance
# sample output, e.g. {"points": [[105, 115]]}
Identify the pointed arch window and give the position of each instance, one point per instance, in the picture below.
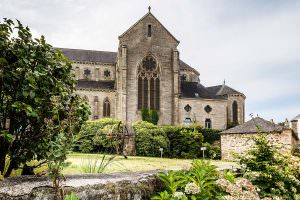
{"points": [[106, 108], [148, 84], [235, 112]]}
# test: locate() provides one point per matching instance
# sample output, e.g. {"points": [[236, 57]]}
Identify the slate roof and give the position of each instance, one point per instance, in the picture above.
{"points": [[103, 57], [191, 89], [253, 125], [223, 90], [89, 55], [88, 84]]}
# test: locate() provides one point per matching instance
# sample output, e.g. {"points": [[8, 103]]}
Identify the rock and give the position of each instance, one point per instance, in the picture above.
{"points": [[119, 186]]}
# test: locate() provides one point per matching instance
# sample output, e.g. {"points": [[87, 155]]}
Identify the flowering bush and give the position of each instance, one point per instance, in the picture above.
{"points": [[241, 189], [200, 182]]}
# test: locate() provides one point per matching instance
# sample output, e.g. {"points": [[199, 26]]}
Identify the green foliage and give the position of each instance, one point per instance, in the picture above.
{"points": [[149, 138], [296, 151], [273, 173], [61, 140], [178, 142], [150, 116], [145, 115], [185, 144], [72, 196], [212, 151], [96, 136], [197, 183], [97, 165], [32, 72], [154, 116]]}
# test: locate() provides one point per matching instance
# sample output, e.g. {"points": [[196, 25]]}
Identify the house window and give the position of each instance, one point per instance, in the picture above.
{"points": [[235, 113], [149, 30], [106, 108], [148, 84], [96, 107], [208, 123]]}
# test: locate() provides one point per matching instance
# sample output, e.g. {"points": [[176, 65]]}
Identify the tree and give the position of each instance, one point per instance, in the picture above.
{"points": [[32, 73]]}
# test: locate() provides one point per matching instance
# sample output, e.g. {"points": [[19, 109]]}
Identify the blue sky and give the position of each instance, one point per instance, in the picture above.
{"points": [[254, 45]]}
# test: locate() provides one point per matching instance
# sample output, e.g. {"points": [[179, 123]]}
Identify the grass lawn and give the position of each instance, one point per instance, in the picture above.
{"points": [[78, 161], [131, 164]]}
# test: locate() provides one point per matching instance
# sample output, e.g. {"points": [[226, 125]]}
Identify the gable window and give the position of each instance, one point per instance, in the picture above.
{"points": [[235, 113], [149, 30], [106, 108], [208, 123], [148, 84]]}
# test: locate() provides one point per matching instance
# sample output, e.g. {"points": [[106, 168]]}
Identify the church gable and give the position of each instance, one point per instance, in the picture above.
{"points": [[148, 27]]}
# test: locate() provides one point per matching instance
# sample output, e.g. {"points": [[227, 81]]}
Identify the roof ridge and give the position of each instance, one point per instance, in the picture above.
{"points": [[84, 49], [149, 13]]}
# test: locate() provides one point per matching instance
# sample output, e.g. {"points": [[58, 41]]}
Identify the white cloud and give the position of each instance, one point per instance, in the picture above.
{"points": [[254, 45]]}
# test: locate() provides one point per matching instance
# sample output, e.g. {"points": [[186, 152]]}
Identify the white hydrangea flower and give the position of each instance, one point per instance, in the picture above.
{"points": [[178, 195], [192, 188]]}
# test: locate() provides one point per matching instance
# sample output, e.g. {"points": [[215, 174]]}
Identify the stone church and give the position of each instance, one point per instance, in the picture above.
{"points": [[147, 72]]}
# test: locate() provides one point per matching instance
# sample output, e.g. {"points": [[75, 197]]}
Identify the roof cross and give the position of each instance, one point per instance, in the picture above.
{"points": [[149, 8]]}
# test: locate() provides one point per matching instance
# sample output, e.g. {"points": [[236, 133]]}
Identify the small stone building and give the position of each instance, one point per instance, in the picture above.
{"points": [[239, 139]]}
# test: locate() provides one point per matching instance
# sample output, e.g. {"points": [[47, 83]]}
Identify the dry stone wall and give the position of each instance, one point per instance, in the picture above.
{"points": [[116, 186], [241, 143]]}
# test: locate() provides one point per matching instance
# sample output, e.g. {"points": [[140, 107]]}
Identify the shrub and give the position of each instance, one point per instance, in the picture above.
{"points": [[184, 143], [96, 136], [200, 182], [212, 151], [149, 138], [273, 173], [150, 116], [154, 117]]}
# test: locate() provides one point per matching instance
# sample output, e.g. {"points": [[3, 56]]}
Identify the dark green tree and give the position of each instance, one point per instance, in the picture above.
{"points": [[32, 73]]}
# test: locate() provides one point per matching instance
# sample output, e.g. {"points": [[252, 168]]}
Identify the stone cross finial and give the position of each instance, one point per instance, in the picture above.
{"points": [[224, 82], [149, 8]]}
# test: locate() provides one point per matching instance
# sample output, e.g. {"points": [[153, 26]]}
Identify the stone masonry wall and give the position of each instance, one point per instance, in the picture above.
{"points": [[91, 94], [241, 143], [96, 69], [116, 186], [217, 114]]}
